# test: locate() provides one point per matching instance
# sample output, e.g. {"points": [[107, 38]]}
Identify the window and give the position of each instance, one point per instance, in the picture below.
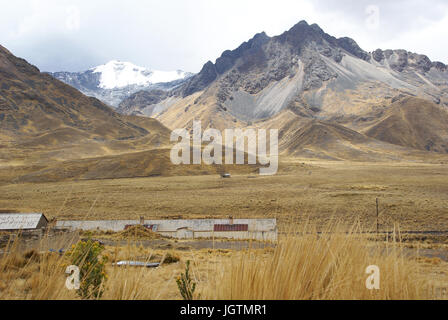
{"points": [[231, 227]]}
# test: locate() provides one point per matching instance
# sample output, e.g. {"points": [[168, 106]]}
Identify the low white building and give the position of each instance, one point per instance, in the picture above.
{"points": [[243, 229]]}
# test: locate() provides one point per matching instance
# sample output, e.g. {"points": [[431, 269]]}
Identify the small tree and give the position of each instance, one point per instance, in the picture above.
{"points": [[185, 284], [86, 256]]}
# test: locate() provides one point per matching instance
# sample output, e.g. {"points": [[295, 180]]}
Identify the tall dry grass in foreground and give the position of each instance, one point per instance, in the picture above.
{"points": [[326, 266], [30, 275], [305, 265]]}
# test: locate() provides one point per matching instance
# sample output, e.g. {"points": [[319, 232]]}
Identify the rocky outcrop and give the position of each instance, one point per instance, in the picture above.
{"points": [[352, 47], [401, 60], [439, 66], [203, 79], [378, 55]]}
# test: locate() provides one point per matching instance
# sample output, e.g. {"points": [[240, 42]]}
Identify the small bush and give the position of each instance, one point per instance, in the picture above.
{"points": [[185, 284], [170, 258], [86, 256]]}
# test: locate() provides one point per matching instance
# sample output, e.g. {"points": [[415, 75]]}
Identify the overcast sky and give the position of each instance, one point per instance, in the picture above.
{"points": [[74, 35]]}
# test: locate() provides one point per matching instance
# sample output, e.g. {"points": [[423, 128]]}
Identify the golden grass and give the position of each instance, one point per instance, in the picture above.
{"points": [[324, 266], [32, 276], [304, 265], [413, 195]]}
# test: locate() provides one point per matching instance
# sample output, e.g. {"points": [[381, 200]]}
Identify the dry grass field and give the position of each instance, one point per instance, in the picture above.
{"points": [[304, 266], [329, 265], [413, 195]]}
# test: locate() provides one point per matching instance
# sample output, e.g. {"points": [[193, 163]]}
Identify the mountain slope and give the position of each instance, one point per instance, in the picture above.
{"points": [[414, 123], [303, 137], [320, 139], [46, 115]]}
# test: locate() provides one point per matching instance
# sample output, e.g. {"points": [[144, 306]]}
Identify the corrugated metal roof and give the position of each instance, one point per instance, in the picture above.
{"points": [[231, 227], [20, 221]]}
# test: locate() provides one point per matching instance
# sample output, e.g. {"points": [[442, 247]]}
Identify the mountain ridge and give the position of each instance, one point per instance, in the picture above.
{"points": [[298, 37], [303, 68]]}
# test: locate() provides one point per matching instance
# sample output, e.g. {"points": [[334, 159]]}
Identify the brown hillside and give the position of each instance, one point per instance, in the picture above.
{"points": [[42, 117], [414, 123], [32, 103], [324, 140]]}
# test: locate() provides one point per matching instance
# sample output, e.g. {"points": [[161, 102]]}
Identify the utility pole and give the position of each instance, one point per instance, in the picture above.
{"points": [[377, 218]]}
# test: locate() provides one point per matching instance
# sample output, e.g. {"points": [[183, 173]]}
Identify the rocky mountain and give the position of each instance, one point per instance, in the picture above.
{"points": [[304, 70], [325, 94], [304, 66], [115, 81]]}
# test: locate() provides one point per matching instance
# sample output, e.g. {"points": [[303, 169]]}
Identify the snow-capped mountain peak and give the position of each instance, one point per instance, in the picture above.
{"points": [[116, 80], [117, 74]]}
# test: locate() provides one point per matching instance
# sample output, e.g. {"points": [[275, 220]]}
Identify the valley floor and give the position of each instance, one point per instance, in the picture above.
{"points": [[413, 196]]}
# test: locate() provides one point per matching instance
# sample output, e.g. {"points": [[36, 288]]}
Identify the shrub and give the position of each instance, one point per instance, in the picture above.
{"points": [[185, 284], [170, 258], [92, 268]]}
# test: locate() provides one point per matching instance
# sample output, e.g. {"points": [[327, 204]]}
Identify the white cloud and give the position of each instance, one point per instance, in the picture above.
{"points": [[184, 34], [73, 19], [44, 17], [430, 40]]}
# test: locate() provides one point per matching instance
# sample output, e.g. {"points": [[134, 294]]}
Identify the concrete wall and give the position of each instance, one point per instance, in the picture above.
{"points": [[253, 235], [184, 234], [259, 229]]}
